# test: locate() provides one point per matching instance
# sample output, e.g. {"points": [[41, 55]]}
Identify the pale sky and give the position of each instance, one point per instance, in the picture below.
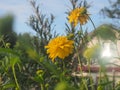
{"points": [[21, 9]]}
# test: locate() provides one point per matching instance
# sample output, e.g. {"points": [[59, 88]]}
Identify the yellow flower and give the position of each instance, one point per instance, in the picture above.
{"points": [[78, 15], [59, 47]]}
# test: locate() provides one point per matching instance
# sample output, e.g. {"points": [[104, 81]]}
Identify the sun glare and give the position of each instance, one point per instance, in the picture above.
{"points": [[106, 52]]}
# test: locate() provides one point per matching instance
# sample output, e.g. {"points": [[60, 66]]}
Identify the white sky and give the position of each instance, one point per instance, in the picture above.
{"points": [[21, 9]]}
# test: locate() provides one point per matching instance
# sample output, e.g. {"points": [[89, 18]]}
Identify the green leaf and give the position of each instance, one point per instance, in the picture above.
{"points": [[38, 79], [14, 60], [52, 68], [106, 32], [106, 83], [8, 50], [8, 86]]}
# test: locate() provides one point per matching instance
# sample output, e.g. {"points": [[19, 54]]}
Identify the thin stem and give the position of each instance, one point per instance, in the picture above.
{"points": [[14, 74], [42, 87], [92, 23], [80, 27], [94, 28], [81, 70], [91, 82], [3, 42], [63, 70], [100, 69], [117, 49]]}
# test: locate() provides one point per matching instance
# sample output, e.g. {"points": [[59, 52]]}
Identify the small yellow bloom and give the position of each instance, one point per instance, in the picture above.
{"points": [[78, 15], [8, 45], [92, 52], [59, 47], [38, 72]]}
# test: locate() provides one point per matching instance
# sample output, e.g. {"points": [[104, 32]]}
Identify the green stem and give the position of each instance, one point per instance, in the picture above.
{"points": [[99, 74], [94, 28], [42, 87], [14, 74], [80, 27], [63, 65], [117, 49], [81, 70], [91, 81], [92, 23], [63, 70], [3, 43]]}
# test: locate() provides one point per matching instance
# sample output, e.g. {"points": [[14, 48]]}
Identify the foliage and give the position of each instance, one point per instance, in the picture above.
{"points": [[6, 31], [43, 26], [113, 11], [106, 32]]}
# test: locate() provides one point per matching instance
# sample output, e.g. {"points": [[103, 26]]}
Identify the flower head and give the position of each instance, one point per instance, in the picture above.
{"points": [[59, 47], [78, 15]]}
